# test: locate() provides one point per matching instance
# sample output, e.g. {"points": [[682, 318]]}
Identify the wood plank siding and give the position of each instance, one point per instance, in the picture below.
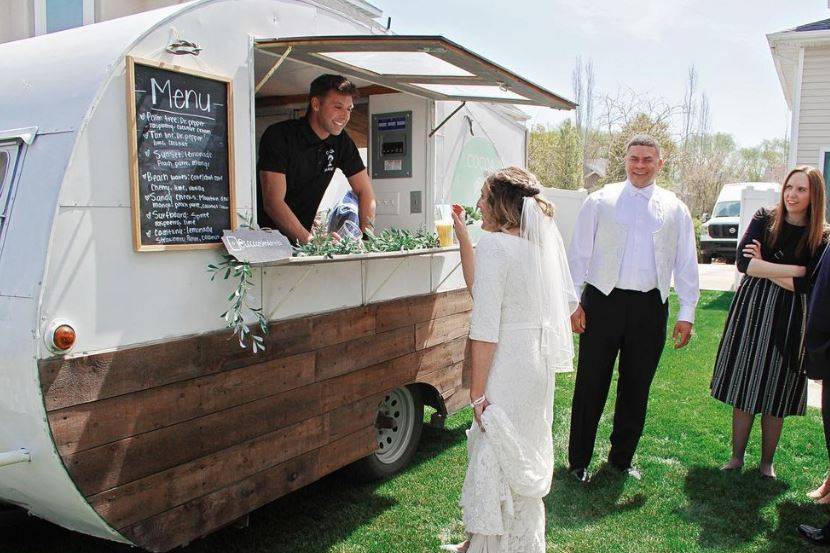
{"points": [[814, 108], [173, 440]]}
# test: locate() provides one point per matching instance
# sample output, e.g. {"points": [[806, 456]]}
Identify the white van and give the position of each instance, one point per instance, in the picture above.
{"points": [[719, 233]]}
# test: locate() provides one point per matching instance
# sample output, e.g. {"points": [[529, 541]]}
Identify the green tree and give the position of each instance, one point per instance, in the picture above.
{"points": [[540, 147], [567, 158], [751, 163], [555, 156]]}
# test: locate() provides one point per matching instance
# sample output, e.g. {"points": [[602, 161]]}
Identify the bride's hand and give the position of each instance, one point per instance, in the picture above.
{"points": [[460, 229], [478, 410]]}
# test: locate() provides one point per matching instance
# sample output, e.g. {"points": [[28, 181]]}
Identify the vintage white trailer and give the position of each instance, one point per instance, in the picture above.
{"points": [[154, 428]]}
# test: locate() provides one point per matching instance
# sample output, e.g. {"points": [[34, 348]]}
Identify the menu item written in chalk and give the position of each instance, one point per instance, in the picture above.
{"points": [[181, 143]]}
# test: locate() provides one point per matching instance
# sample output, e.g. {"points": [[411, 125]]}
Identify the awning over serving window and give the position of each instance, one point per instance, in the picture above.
{"points": [[426, 66]]}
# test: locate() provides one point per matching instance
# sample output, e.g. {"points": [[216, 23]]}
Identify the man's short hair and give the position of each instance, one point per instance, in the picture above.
{"points": [[338, 83], [643, 140]]}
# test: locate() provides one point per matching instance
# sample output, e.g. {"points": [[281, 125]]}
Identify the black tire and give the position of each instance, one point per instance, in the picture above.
{"points": [[705, 258], [383, 463]]}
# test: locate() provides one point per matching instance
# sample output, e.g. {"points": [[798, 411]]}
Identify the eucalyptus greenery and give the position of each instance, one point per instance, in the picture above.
{"points": [[239, 301], [240, 297], [323, 244], [394, 240], [388, 240], [472, 214]]}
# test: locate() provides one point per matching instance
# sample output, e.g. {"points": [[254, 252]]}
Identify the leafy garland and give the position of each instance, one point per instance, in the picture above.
{"points": [[239, 298], [239, 301], [323, 244], [388, 240]]}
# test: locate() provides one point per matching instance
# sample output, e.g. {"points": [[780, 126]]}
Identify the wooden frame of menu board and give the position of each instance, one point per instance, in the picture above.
{"points": [[135, 179]]}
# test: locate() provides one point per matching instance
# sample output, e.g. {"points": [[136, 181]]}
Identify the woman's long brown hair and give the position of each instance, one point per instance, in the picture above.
{"points": [[507, 189], [816, 223]]}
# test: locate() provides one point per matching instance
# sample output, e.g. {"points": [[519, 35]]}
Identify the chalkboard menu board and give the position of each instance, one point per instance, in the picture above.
{"points": [[181, 149]]}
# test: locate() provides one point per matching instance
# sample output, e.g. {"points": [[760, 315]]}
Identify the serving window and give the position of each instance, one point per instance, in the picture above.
{"points": [[420, 67], [283, 95]]}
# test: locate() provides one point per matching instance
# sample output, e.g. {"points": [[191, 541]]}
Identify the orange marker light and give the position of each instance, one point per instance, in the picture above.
{"points": [[64, 337]]}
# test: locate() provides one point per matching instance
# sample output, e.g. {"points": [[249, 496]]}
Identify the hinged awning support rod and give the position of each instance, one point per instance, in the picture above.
{"points": [[271, 71], [447, 118]]}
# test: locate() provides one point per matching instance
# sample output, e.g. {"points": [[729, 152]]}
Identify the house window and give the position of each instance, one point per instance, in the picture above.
{"points": [[8, 160], [58, 15]]}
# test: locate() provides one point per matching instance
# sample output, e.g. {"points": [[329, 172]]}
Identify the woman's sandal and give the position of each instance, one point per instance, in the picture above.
{"points": [[456, 548]]}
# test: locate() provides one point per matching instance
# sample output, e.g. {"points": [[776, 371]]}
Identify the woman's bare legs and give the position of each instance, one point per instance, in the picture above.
{"points": [[741, 426], [770, 433]]}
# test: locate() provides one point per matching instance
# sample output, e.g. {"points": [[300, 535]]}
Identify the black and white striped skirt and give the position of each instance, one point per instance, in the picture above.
{"points": [[758, 367]]}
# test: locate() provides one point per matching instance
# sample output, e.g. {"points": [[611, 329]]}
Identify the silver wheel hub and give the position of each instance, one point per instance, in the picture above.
{"points": [[397, 411]]}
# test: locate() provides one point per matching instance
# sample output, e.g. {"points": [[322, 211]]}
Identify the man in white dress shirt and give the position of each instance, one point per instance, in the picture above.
{"points": [[629, 238]]}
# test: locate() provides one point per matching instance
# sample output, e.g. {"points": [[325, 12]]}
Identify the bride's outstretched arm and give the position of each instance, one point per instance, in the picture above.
{"points": [[465, 246]]}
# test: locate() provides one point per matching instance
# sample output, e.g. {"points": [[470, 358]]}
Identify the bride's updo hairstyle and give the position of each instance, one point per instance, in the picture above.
{"points": [[507, 188]]}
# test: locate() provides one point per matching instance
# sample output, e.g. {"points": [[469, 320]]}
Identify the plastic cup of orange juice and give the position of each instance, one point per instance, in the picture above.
{"points": [[443, 224]]}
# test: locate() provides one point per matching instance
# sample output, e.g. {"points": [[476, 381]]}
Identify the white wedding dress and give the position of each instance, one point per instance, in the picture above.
{"points": [[510, 464]]}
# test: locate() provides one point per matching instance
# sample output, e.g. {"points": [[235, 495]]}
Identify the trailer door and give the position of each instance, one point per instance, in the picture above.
{"points": [[10, 153]]}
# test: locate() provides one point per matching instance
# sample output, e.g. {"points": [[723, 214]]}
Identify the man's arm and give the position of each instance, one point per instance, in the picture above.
{"points": [[579, 256], [686, 279], [581, 248], [273, 200], [362, 187]]}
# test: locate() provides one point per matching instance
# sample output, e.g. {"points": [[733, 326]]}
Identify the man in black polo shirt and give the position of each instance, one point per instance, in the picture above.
{"points": [[297, 159]]}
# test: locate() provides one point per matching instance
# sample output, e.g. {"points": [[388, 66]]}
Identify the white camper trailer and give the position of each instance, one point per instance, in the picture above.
{"points": [[145, 424]]}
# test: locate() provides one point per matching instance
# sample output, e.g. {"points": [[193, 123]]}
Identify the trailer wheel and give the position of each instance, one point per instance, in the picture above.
{"points": [[399, 422]]}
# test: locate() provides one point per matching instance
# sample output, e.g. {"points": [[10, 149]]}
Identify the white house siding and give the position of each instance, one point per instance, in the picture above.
{"points": [[16, 20], [17, 16], [814, 112], [110, 9]]}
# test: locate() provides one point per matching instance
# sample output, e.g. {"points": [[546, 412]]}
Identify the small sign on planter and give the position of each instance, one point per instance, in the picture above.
{"points": [[257, 246]]}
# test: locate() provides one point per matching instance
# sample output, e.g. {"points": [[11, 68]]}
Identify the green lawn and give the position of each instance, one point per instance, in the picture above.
{"points": [[684, 503]]}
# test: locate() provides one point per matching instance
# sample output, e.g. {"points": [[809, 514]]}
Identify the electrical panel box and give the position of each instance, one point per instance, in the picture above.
{"points": [[392, 145]]}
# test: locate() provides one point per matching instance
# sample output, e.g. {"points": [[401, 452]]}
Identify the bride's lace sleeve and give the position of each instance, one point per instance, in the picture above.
{"points": [[488, 289]]}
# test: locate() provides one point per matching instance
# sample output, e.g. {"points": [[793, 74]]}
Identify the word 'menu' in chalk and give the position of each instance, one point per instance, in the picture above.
{"points": [[176, 98]]}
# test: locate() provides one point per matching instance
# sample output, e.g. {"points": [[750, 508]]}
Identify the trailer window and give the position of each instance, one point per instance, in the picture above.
{"points": [[8, 160]]}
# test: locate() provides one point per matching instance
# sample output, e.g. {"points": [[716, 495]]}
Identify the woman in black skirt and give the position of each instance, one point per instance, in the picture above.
{"points": [[759, 364]]}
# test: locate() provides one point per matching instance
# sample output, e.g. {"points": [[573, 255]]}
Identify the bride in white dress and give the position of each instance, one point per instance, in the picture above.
{"points": [[520, 336]]}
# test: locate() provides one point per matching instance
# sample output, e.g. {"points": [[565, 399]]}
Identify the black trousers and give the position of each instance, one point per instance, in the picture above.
{"points": [[825, 413], [633, 325], [825, 417]]}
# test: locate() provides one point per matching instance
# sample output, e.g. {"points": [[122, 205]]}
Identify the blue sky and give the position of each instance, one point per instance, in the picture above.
{"points": [[646, 45]]}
